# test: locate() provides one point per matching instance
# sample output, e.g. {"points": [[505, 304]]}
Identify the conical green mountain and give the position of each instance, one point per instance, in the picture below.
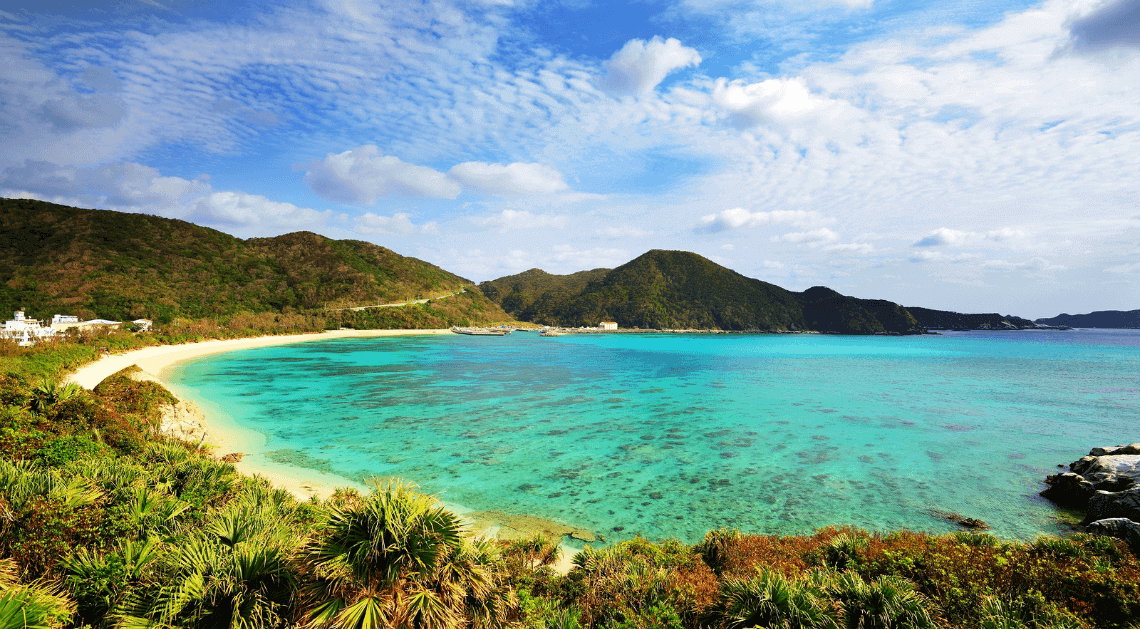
{"points": [[682, 290], [98, 263]]}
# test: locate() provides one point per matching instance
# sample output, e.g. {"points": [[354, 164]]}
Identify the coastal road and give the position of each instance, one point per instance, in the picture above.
{"points": [[404, 303]]}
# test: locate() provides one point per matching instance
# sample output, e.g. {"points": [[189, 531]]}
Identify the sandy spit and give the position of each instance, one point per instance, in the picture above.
{"points": [[155, 359], [224, 437]]}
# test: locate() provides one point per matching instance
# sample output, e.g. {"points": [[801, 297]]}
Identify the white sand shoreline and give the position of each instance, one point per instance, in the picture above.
{"points": [[225, 436]]}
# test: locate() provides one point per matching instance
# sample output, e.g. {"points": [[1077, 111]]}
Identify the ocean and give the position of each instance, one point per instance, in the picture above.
{"points": [[669, 436]]}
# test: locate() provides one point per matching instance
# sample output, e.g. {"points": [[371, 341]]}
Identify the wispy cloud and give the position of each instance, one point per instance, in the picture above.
{"points": [[509, 220]]}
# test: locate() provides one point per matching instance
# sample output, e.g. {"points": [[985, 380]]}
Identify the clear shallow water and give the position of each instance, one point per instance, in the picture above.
{"points": [[670, 436]]}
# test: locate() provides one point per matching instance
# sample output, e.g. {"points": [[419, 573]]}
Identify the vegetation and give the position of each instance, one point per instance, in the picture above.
{"points": [[681, 290], [103, 264], [104, 522], [947, 320]]}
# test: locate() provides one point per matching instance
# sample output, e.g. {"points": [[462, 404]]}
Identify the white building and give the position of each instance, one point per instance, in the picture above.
{"points": [[144, 324], [23, 330], [59, 323], [608, 325]]}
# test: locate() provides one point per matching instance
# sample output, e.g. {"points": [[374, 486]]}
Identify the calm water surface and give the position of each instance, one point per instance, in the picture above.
{"points": [[670, 436]]}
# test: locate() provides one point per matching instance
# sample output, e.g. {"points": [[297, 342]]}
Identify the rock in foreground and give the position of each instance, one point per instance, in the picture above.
{"points": [[1106, 486]]}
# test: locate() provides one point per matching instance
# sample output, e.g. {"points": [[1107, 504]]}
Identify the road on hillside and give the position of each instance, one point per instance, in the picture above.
{"points": [[404, 303]]}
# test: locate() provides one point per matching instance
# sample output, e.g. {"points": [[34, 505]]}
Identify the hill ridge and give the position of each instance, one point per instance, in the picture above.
{"points": [[116, 265], [670, 289]]}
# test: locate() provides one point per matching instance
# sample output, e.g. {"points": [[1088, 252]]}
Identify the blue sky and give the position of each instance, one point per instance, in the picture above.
{"points": [[968, 155]]}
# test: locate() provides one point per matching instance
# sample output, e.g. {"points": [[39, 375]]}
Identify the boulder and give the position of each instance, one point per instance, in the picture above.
{"points": [[1120, 528], [1109, 469], [1132, 448], [1110, 472], [1114, 504], [1068, 489]]}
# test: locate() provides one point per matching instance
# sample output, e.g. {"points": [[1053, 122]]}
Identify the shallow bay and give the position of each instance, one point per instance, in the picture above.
{"points": [[673, 435]]}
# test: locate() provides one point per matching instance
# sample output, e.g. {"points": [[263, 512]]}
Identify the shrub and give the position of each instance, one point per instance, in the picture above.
{"points": [[63, 450]]}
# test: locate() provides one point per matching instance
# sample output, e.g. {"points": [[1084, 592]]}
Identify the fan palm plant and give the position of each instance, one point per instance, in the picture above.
{"points": [[45, 395], [212, 585], [772, 600], [889, 602], [34, 606], [23, 480], [100, 583], [395, 559]]}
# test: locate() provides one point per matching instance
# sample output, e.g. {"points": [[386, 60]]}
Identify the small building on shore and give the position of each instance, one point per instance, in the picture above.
{"points": [[23, 330], [608, 325]]}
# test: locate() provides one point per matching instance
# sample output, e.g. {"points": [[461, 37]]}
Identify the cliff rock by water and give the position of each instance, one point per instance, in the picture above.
{"points": [[1106, 486]]}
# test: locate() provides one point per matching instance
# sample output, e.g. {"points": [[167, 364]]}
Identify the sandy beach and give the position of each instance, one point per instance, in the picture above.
{"points": [[226, 437]]}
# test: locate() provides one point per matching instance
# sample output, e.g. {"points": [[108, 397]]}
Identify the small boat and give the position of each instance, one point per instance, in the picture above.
{"points": [[481, 331]]}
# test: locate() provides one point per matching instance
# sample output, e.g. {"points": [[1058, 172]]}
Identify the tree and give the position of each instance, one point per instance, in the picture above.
{"points": [[396, 559]]}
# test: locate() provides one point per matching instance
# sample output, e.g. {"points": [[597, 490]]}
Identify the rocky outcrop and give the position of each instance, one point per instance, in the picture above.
{"points": [[1120, 528], [1106, 486], [181, 420], [1114, 504]]}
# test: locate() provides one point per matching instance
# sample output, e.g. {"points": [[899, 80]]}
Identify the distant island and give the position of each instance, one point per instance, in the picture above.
{"points": [[1098, 319]]}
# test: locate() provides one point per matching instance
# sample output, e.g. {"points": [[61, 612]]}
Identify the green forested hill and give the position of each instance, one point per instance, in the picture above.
{"points": [[98, 263], [678, 289], [532, 295]]}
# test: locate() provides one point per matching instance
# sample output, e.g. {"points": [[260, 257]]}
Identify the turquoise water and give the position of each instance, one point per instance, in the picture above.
{"points": [[673, 435]]}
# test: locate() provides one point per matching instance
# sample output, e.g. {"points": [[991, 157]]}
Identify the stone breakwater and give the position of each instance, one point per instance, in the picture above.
{"points": [[1106, 486]]}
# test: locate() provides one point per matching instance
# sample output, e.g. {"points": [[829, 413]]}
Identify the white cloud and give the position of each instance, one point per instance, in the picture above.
{"points": [[861, 248], [813, 237], [593, 258], [363, 174], [430, 227], [1124, 268], [508, 220], [253, 210], [640, 66], [943, 236], [516, 178], [371, 223], [622, 232], [788, 104], [740, 218], [126, 186], [938, 256], [133, 187], [1034, 264]]}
